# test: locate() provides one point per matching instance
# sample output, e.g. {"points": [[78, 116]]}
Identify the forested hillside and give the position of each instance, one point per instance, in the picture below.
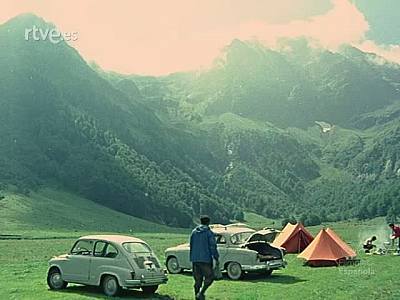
{"points": [[62, 124], [240, 136]]}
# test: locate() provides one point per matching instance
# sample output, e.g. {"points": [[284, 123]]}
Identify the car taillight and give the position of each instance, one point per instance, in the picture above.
{"points": [[133, 275]]}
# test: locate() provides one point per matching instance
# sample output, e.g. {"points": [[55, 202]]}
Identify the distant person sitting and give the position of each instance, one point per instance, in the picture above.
{"points": [[395, 233], [369, 244]]}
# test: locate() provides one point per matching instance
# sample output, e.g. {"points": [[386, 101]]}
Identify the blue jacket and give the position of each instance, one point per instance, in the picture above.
{"points": [[203, 247]]}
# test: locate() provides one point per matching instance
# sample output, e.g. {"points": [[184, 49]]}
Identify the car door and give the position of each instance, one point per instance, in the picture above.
{"points": [[106, 258], [183, 256], [222, 242], [76, 267]]}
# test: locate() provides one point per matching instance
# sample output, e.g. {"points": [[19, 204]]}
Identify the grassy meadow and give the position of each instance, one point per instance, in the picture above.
{"points": [[24, 262]]}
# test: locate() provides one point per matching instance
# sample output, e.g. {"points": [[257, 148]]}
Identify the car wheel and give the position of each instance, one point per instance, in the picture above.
{"points": [[55, 281], [173, 265], [110, 286], [268, 273], [149, 289], [234, 270]]}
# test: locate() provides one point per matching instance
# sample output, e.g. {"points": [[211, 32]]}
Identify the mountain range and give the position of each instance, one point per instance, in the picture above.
{"points": [[244, 135]]}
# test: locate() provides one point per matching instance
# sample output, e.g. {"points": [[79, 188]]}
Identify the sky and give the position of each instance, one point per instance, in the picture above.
{"points": [[156, 37]]}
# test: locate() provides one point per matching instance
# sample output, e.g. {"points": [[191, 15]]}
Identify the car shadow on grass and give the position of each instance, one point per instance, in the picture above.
{"points": [[95, 292], [274, 278], [257, 277]]}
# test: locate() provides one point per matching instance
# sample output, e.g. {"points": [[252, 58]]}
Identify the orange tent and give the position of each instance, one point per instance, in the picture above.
{"points": [[294, 238], [327, 249], [344, 245]]}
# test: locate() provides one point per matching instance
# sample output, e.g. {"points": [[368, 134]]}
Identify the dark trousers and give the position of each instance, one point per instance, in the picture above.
{"points": [[393, 241], [368, 247], [203, 276]]}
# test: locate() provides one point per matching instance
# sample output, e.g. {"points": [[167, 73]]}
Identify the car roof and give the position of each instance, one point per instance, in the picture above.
{"points": [[112, 238], [231, 229]]}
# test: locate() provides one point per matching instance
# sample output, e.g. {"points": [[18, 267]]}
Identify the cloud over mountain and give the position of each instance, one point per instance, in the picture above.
{"points": [[153, 37]]}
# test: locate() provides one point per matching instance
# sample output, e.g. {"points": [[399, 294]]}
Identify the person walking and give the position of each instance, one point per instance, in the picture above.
{"points": [[203, 250]]}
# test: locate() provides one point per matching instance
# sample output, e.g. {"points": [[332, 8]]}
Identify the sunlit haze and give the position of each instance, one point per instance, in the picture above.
{"points": [[160, 37]]}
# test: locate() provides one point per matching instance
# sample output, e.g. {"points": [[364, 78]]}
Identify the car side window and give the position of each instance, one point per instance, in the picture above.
{"points": [[104, 249], [111, 251], [100, 248], [235, 239], [83, 247]]}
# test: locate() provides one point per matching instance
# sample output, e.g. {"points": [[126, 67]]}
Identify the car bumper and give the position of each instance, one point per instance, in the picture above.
{"points": [[269, 265], [145, 282]]}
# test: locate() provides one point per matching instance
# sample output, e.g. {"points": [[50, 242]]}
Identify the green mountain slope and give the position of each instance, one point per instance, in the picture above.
{"points": [[55, 211], [63, 124], [266, 168], [348, 172], [241, 136]]}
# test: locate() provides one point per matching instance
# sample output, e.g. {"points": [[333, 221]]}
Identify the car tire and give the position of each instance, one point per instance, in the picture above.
{"points": [[54, 280], [149, 289], [173, 265], [234, 270], [110, 286]]}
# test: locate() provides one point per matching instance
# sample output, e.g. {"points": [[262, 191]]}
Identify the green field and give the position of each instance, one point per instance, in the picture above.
{"points": [[48, 213], [24, 262]]}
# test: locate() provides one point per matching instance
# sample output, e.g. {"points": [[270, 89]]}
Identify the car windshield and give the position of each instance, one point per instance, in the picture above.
{"points": [[241, 237], [133, 247]]}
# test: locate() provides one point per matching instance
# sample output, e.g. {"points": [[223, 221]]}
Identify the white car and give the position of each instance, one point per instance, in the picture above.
{"points": [[241, 250], [110, 261]]}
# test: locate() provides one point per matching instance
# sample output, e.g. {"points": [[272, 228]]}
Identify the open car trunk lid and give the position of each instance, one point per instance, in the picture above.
{"points": [[264, 235]]}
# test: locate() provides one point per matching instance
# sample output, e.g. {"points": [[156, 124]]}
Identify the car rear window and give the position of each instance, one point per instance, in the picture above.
{"points": [[133, 247], [240, 238]]}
